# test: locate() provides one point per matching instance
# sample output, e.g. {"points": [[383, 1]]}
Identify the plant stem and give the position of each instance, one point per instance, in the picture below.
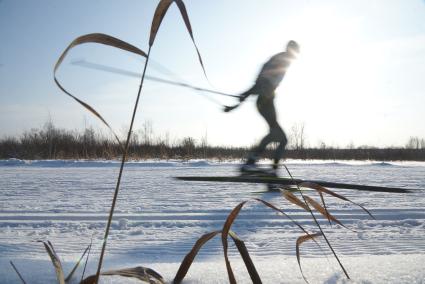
{"points": [[17, 272], [124, 156], [318, 225], [87, 259]]}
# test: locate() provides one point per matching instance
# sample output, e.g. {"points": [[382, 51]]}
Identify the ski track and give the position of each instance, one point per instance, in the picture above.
{"points": [[158, 218]]}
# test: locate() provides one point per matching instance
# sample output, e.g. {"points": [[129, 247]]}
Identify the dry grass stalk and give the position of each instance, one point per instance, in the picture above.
{"points": [[17, 272], [323, 211], [318, 226], [149, 275], [322, 189], [95, 38], [301, 240], [142, 273], [56, 262], [189, 258], [225, 232], [60, 275]]}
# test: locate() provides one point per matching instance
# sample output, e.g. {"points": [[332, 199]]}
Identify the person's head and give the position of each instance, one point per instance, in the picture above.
{"points": [[293, 47]]}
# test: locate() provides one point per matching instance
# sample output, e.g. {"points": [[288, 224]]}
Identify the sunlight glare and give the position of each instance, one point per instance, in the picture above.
{"points": [[329, 79]]}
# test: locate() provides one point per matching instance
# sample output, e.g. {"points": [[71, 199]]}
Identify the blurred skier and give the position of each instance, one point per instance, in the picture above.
{"points": [[268, 80]]}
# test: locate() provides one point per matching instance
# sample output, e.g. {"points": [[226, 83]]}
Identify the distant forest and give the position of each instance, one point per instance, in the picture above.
{"points": [[51, 142]]}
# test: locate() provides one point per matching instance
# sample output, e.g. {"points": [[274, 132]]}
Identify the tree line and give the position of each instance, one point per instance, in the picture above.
{"points": [[51, 142]]}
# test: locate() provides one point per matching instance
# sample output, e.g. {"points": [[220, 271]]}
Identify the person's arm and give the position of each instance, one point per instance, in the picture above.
{"points": [[242, 97]]}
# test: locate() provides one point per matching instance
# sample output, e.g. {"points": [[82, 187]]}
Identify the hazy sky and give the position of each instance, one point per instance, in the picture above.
{"points": [[359, 78]]}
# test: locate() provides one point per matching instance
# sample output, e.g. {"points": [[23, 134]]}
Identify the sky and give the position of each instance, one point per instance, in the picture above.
{"points": [[358, 80]]}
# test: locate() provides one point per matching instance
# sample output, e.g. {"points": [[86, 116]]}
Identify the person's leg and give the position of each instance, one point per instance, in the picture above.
{"points": [[266, 108], [259, 149], [281, 139], [276, 134]]}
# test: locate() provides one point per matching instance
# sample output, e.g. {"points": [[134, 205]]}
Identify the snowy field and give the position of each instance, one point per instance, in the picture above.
{"points": [[158, 219]]}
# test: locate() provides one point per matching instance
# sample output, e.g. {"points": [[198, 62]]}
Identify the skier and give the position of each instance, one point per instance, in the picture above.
{"points": [[268, 80]]}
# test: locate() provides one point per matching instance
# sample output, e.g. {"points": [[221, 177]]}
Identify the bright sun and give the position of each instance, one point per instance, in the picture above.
{"points": [[331, 54], [331, 76]]}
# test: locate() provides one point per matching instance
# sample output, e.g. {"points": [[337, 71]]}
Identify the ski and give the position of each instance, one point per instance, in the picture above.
{"points": [[289, 181]]}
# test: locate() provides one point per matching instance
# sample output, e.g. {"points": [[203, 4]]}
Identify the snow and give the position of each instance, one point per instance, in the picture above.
{"points": [[100, 163], [158, 219]]}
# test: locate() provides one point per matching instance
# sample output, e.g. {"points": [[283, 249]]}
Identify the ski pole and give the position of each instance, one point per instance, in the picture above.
{"points": [[110, 69]]}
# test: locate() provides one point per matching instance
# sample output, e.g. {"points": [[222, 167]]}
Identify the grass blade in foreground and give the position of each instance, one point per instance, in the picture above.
{"points": [[142, 273], [117, 187], [294, 200], [76, 265], [188, 259], [301, 240], [156, 22], [224, 233], [56, 261], [330, 192], [323, 211], [319, 227], [160, 12], [95, 38], [249, 264]]}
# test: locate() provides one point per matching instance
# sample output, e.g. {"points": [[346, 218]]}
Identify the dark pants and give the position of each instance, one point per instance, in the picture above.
{"points": [[265, 106]]}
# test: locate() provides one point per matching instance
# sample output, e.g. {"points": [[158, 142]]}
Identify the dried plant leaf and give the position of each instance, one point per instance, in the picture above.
{"points": [[249, 264], [231, 218], [76, 265], [188, 260], [295, 200], [318, 225], [322, 198], [323, 211], [160, 12], [56, 261], [301, 240], [142, 273], [183, 11], [325, 190], [101, 39], [282, 212], [224, 233], [289, 217], [139, 272]]}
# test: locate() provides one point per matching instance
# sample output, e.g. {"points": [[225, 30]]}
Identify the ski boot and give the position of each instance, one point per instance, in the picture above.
{"points": [[254, 170]]}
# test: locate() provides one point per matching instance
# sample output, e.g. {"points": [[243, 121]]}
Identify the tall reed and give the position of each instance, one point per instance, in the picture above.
{"points": [[147, 274], [160, 12]]}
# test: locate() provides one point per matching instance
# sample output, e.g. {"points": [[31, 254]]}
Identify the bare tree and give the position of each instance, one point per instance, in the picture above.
{"points": [[204, 144], [188, 144], [415, 143], [297, 136], [322, 145], [147, 133]]}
